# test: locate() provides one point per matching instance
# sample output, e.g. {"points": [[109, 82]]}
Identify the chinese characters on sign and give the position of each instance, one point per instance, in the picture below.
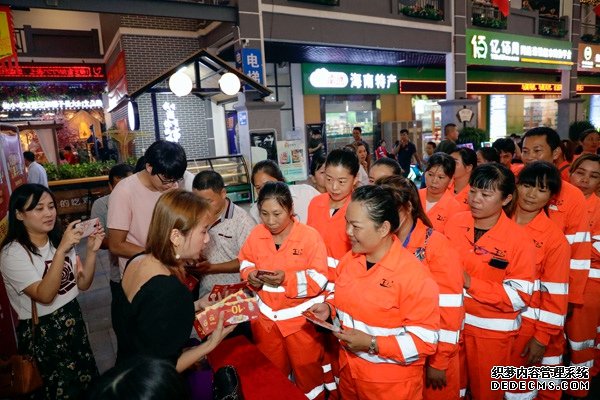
{"points": [[589, 57], [54, 72], [501, 49], [250, 63], [348, 79]]}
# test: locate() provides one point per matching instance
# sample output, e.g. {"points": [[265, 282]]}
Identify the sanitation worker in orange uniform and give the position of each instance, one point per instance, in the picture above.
{"points": [[541, 337], [386, 303], [286, 262], [499, 262]]}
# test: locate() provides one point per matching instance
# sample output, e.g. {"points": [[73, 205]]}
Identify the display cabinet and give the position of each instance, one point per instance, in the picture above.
{"points": [[234, 171]]}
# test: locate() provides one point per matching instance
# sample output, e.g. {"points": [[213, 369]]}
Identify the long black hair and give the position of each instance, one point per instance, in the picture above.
{"points": [[407, 196], [28, 195]]}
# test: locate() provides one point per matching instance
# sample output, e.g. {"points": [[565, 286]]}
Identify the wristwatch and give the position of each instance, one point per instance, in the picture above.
{"points": [[372, 345]]}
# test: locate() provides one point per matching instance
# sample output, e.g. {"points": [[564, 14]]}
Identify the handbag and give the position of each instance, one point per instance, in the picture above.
{"points": [[19, 375], [226, 384]]}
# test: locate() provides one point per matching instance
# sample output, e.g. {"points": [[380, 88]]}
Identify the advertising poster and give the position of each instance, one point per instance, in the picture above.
{"points": [[231, 129], [12, 159], [263, 146], [291, 158]]}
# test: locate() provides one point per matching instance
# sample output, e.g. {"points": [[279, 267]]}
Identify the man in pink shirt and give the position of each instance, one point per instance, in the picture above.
{"points": [[132, 202]]}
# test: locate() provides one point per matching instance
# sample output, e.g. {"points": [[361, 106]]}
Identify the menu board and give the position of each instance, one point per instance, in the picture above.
{"points": [[291, 158]]}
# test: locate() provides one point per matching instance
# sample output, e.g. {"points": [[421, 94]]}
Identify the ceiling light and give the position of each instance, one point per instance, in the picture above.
{"points": [[180, 84], [230, 84]]}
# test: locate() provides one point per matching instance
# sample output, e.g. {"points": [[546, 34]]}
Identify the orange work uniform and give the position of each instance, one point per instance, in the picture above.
{"points": [[442, 210], [564, 168], [462, 198], [567, 211], [396, 300], [435, 251], [544, 318], [281, 332], [583, 326], [501, 266]]}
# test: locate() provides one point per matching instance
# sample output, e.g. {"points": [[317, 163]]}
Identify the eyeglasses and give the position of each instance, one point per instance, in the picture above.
{"points": [[480, 251], [168, 181]]}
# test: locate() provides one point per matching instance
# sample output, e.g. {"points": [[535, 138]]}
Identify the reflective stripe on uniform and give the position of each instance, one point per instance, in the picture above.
{"points": [[588, 363], [332, 262], [273, 289], [578, 237], [408, 348], [331, 386], [326, 368], [554, 288], [462, 392], [494, 324], [531, 313], [512, 287], [594, 273], [554, 360], [288, 313], [315, 392], [449, 336], [552, 318], [302, 283], [583, 345], [319, 278], [520, 396], [451, 300], [580, 264], [246, 264], [348, 321]]}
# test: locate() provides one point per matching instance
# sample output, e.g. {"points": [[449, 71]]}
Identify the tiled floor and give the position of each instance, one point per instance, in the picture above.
{"points": [[95, 305]]}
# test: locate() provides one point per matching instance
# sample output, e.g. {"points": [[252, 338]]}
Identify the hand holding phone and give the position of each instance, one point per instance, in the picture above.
{"points": [[89, 226]]}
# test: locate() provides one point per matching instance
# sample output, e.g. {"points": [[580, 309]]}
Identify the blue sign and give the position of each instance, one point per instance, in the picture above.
{"points": [[250, 62], [243, 118]]}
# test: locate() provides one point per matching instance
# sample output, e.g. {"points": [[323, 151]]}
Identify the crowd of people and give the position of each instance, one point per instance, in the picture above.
{"points": [[493, 265]]}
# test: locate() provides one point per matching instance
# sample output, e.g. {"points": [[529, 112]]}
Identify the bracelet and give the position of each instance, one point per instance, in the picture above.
{"points": [[372, 345]]}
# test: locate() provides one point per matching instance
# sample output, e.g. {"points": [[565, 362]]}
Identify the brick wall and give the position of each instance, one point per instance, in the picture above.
{"points": [[147, 57], [150, 22], [195, 124]]}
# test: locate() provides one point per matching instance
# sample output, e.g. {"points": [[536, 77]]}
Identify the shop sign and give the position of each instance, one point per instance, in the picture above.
{"points": [[53, 72], [508, 50], [439, 87], [250, 62], [588, 58], [349, 79]]}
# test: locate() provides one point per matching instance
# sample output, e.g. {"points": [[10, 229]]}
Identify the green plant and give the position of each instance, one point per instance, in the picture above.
{"points": [[74, 171], [489, 22], [474, 136], [576, 129], [427, 12]]}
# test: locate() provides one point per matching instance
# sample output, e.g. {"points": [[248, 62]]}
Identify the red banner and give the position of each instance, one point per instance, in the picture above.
{"points": [[503, 6]]}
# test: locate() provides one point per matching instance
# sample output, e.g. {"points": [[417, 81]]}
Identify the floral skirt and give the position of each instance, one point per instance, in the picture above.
{"points": [[62, 351]]}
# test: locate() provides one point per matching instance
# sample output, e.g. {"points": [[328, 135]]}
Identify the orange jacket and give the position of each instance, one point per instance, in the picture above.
{"points": [[502, 269], [593, 216], [331, 228], [434, 250], [396, 301], [564, 168], [462, 198], [303, 258], [442, 210], [567, 210], [548, 307]]}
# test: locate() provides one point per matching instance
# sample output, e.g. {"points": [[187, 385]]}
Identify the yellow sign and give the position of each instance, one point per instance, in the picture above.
{"points": [[6, 33]]}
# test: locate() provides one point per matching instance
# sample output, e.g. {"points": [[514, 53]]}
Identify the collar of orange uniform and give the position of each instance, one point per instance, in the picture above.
{"points": [[540, 222], [389, 260]]}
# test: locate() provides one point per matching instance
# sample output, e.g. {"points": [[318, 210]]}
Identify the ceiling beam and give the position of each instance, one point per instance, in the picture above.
{"points": [[162, 8]]}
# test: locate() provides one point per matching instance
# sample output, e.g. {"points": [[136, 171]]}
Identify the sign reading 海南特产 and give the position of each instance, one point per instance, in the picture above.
{"points": [[349, 79], [508, 50]]}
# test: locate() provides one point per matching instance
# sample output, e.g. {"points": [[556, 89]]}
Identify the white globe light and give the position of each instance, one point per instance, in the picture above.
{"points": [[229, 84], [180, 84]]}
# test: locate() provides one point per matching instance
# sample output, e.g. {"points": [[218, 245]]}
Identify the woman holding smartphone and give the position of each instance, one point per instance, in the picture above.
{"points": [[387, 304], [285, 261], [41, 268]]}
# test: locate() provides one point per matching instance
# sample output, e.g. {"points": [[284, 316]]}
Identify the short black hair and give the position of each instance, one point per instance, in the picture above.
{"points": [[552, 137], [390, 163], [467, 155], [404, 131], [443, 160], [68, 148], [345, 158], [586, 133], [119, 171], [357, 128], [317, 162], [447, 127], [489, 154], [432, 144], [541, 174], [140, 165], [315, 132], [279, 191], [166, 158], [29, 156], [492, 176], [504, 144], [268, 167], [208, 180]]}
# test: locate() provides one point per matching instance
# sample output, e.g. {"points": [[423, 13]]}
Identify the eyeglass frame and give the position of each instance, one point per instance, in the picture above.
{"points": [[168, 181]]}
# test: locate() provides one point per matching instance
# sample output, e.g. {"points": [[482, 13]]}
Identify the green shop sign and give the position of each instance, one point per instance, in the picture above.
{"points": [[349, 79], [507, 50]]}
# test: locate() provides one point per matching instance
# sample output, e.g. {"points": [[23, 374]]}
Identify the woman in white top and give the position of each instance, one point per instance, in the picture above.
{"points": [[268, 171], [40, 264]]}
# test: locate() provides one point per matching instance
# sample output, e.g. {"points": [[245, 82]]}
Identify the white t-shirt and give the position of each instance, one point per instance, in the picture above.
{"points": [[302, 194], [37, 174], [19, 272]]}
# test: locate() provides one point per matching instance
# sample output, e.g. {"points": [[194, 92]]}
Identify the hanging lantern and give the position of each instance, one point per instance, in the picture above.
{"points": [[180, 84], [229, 83]]}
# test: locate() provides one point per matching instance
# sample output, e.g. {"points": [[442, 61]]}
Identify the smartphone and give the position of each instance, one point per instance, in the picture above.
{"points": [[89, 226]]}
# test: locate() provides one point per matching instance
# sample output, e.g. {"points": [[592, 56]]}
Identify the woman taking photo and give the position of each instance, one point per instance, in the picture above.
{"points": [[153, 311], [499, 263], [541, 336], [40, 265], [268, 171], [435, 252], [286, 262], [585, 175], [387, 304], [436, 199]]}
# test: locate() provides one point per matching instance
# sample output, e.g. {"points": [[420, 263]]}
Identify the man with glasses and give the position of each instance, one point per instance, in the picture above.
{"points": [[132, 202]]}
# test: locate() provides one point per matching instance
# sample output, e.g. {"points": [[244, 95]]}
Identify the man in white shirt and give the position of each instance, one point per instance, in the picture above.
{"points": [[35, 172]]}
